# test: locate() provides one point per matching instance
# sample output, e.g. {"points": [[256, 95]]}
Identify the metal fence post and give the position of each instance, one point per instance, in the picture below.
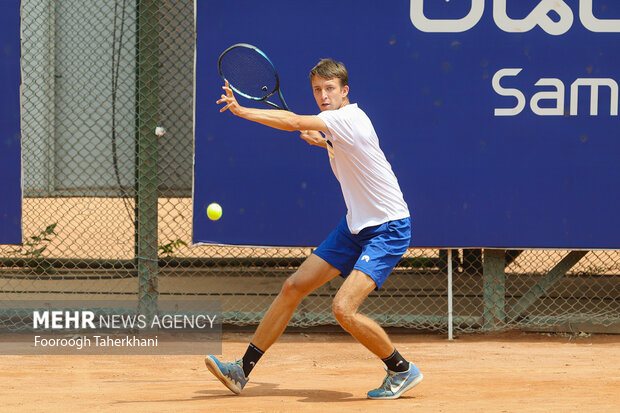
{"points": [[147, 89], [494, 286], [450, 319]]}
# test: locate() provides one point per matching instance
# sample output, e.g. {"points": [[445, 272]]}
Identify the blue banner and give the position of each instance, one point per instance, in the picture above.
{"points": [[499, 118], [10, 131]]}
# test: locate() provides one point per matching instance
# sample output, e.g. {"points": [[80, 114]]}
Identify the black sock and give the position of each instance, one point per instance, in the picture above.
{"points": [[251, 357], [396, 362]]}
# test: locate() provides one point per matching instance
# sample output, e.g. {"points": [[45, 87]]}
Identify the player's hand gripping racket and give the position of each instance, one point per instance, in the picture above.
{"points": [[250, 73]]}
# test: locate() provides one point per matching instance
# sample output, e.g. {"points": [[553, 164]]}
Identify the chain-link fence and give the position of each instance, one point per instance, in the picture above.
{"points": [[107, 208]]}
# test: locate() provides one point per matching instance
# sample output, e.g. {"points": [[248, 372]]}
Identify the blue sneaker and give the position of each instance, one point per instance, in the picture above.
{"points": [[231, 374], [396, 383]]}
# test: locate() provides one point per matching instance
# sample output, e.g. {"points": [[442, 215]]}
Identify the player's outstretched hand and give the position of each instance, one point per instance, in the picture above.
{"points": [[229, 100], [313, 137]]}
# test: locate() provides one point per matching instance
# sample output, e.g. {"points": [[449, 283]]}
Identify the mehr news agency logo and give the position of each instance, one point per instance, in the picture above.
{"points": [[539, 16], [86, 321]]}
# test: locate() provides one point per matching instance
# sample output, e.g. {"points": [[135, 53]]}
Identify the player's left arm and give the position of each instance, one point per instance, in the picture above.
{"points": [[314, 138], [278, 119]]}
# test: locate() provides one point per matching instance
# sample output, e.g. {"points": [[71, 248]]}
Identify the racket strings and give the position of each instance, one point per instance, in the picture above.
{"points": [[248, 72]]}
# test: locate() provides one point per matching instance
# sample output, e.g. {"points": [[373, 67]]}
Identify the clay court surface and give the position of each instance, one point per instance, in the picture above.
{"points": [[509, 372]]}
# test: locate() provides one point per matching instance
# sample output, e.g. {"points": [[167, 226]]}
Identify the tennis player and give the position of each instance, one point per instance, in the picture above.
{"points": [[365, 246]]}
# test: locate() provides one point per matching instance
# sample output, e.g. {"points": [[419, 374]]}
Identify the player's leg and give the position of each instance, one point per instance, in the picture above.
{"points": [[382, 248], [350, 296], [313, 273], [402, 375], [336, 255]]}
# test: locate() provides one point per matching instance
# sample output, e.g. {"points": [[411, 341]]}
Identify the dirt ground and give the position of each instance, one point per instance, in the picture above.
{"points": [[510, 372]]}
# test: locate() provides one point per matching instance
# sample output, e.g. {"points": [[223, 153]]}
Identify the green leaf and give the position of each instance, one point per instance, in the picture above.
{"points": [[36, 252]]}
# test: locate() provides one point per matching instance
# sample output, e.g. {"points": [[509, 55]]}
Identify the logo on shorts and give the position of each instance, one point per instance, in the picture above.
{"points": [[365, 258]]}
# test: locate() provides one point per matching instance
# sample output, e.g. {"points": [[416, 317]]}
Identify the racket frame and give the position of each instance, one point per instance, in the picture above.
{"points": [[275, 72]]}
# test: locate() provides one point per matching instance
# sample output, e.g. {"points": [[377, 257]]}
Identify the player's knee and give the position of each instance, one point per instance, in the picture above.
{"points": [[291, 290], [343, 313]]}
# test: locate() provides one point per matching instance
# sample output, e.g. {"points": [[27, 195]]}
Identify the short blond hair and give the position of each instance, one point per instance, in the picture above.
{"points": [[330, 69]]}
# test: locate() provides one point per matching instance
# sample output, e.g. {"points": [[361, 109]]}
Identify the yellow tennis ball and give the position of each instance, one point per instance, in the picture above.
{"points": [[214, 211]]}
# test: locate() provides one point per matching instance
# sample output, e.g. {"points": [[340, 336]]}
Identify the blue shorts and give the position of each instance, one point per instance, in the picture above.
{"points": [[375, 250]]}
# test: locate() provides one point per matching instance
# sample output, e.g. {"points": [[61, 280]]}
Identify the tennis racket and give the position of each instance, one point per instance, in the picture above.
{"points": [[250, 73]]}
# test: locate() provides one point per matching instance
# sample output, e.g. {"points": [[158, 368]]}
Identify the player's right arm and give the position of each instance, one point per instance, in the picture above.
{"points": [[278, 119]]}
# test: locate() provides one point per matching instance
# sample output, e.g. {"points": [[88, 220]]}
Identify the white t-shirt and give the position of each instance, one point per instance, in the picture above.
{"points": [[370, 188]]}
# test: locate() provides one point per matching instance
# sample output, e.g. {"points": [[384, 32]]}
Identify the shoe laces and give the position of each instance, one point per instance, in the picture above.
{"points": [[387, 381], [239, 362]]}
